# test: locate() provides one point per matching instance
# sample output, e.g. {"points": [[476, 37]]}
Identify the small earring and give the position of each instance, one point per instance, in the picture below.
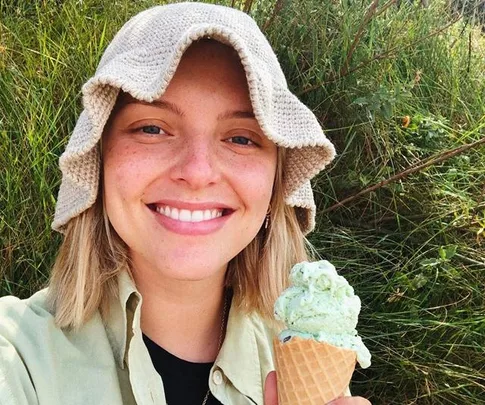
{"points": [[266, 221]]}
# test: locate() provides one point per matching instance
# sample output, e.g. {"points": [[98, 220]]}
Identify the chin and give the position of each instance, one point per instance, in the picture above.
{"points": [[193, 271]]}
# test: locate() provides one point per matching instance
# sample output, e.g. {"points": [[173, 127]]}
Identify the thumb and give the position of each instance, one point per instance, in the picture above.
{"points": [[270, 391]]}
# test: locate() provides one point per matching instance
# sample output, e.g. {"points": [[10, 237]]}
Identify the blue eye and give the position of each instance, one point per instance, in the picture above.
{"points": [[151, 129], [241, 140]]}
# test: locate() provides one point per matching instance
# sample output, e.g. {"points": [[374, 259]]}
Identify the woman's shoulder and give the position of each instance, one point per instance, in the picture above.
{"points": [[40, 360], [31, 322], [22, 326], [16, 314], [252, 330], [263, 327]]}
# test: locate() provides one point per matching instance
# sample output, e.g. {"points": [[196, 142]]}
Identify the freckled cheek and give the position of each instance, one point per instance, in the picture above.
{"points": [[126, 172], [256, 180]]}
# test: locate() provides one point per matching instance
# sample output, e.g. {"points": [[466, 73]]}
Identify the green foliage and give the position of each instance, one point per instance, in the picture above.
{"points": [[392, 87], [382, 102]]}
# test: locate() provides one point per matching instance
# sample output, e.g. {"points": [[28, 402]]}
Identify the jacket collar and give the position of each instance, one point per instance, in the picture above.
{"points": [[238, 357], [120, 321], [239, 354]]}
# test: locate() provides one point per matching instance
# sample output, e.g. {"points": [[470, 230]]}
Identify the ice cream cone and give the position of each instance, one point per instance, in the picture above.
{"points": [[311, 372]]}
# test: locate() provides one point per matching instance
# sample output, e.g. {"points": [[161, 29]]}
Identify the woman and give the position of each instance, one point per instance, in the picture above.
{"points": [[184, 201]]}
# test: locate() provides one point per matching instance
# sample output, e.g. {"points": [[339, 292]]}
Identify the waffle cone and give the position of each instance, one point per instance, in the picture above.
{"points": [[311, 372]]}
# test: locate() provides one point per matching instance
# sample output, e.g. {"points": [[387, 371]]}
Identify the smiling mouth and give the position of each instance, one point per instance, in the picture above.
{"points": [[185, 215]]}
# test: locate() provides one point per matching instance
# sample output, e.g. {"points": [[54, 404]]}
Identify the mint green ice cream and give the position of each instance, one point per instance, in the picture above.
{"points": [[321, 305]]}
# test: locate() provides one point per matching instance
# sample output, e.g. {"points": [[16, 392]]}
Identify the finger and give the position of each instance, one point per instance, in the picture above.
{"points": [[270, 391]]}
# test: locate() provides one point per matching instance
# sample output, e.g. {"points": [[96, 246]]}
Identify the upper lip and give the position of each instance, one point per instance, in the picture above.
{"points": [[192, 206]]}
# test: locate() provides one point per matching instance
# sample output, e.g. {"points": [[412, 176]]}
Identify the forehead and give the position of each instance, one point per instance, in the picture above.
{"points": [[211, 59], [210, 47]]}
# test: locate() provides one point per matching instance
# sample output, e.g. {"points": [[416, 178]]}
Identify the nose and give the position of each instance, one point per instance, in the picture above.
{"points": [[197, 164]]}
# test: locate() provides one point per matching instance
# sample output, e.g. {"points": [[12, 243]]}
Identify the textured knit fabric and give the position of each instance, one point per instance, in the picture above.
{"points": [[107, 362], [142, 59]]}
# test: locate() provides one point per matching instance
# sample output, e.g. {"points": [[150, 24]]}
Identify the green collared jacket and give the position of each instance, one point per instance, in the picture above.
{"points": [[106, 361]]}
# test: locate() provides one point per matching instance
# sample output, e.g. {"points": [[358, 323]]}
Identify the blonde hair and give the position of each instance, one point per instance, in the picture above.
{"points": [[259, 273], [84, 276]]}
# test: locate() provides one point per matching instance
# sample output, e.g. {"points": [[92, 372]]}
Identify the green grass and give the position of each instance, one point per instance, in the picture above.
{"points": [[414, 249]]}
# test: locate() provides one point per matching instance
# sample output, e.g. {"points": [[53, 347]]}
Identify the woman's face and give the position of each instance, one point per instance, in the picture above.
{"points": [[188, 178]]}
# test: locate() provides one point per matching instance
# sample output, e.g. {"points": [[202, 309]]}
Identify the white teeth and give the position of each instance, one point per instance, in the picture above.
{"points": [[197, 216], [184, 215], [187, 215]]}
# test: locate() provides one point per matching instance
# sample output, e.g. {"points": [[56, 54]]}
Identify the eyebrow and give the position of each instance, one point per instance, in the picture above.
{"points": [[166, 105], [235, 114]]}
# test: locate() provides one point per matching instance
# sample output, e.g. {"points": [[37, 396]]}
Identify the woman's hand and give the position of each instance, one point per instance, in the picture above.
{"points": [[271, 394]]}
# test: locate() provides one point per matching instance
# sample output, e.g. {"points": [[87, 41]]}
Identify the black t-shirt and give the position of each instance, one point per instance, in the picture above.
{"points": [[185, 383]]}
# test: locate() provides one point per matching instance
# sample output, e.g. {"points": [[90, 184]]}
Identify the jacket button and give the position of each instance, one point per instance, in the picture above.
{"points": [[217, 377]]}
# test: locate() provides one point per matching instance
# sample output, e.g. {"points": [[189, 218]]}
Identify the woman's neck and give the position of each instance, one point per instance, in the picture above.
{"points": [[183, 317]]}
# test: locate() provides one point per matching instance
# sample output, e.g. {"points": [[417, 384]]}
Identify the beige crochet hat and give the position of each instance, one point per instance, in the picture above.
{"points": [[142, 59]]}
